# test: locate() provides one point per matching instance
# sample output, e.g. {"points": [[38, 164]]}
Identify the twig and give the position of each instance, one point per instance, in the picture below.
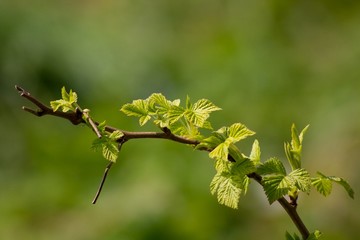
{"points": [[102, 182], [74, 117], [91, 122]]}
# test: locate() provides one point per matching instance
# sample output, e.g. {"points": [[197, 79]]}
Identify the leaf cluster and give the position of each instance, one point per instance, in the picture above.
{"points": [[278, 183], [68, 102], [181, 120], [232, 166], [106, 142]]}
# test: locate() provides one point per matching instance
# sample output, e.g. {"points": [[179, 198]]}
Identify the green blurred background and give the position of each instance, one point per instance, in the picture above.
{"points": [[266, 63]]}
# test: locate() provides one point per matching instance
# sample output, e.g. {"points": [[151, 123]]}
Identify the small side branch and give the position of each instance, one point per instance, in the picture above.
{"points": [[74, 117], [91, 122], [102, 182]]}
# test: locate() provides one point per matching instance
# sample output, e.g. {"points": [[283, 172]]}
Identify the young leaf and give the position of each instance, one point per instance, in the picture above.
{"points": [[222, 165], [199, 112], [223, 140], [294, 148], [138, 108], [101, 127], [67, 103], [239, 169], [227, 190], [55, 105], [301, 179], [276, 186], [220, 152], [345, 185], [272, 166], [110, 151], [323, 184], [255, 152], [238, 131], [160, 105], [230, 180], [174, 114], [108, 145], [186, 130], [209, 143]]}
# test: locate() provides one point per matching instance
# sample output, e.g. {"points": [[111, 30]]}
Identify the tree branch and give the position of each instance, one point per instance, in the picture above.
{"points": [[76, 118]]}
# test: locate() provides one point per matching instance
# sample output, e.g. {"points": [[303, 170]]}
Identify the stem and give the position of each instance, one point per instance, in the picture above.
{"points": [[102, 182], [291, 211], [91, 122]]}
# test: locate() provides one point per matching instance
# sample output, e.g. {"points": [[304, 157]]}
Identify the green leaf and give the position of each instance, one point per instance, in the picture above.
{"points": [[138, 108], [185, 130], [227, 190], [188, 103], [110, 151], [315, 235], [277, 183], [64, 94], [294, 148], [238, 132], [108, 145], [220, 152], [115, 135], [67, 103], [255, 152], [101, 127], [70, 97], [276, 186], [345, 185], [223, 141], [289, 237], [231, 180], [159, 104], [208, 143], [174, 114], [302, 133], [222, 165], [301, 179], [272, 166], [240, 169], [199, 112], [323, 184], [55, 105]]}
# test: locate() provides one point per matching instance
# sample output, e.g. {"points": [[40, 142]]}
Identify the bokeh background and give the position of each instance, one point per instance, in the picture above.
{"points": [[266, 63]]}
